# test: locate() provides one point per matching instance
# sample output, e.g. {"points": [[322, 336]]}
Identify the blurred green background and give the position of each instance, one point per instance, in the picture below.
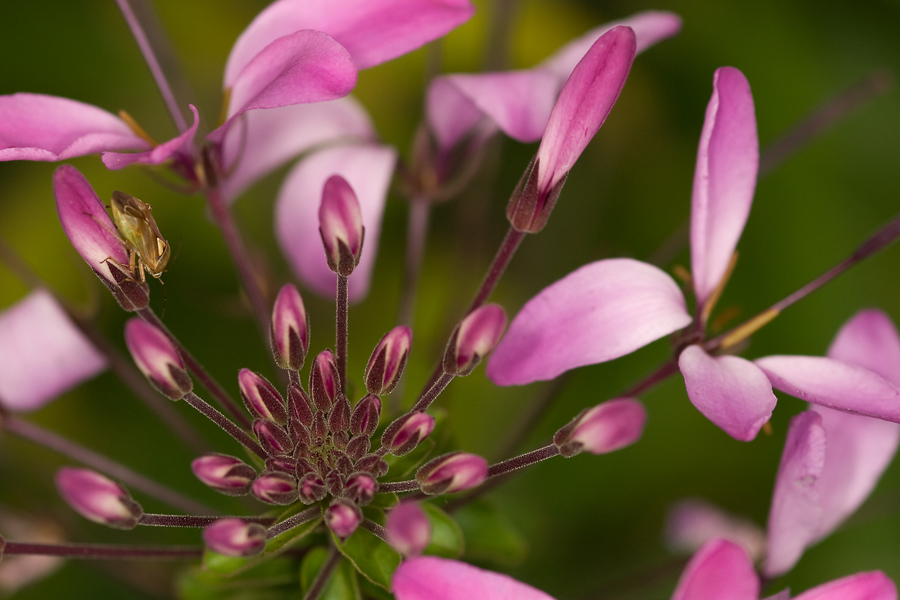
{"points": [[593, 525]]}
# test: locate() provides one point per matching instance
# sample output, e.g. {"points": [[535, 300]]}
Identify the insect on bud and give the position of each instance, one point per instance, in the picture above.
{"points": [[404, 434], [340, 224], [323, 381], [260, 397], [275, 487], [157, 358], [343, 517], [387, 361], [604, 428], [226, 474], [235, 537], [408, 529], [452, 472], [289, 329], [474, 338], [98, 498], [364, 420]]}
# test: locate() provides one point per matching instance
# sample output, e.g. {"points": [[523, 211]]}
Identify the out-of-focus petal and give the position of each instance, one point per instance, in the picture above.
{"points": [[724, 179], [373, 31], [49, 128], [796, 513], [720, 570], [42, 353], [368, 169], [873, 585], [432, 578], [602, 311], [869, 340], [730, 391], [693, 522], [119, 160]]}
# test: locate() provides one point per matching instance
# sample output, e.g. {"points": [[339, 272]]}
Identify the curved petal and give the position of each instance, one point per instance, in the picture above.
{"points": [[118, 160], [869, 340], [49, 128], [730, 391], [602, 311], [873, 585], [833, 383], [693, 522], [432, 578], [42, 353], [724, 179], [796, 513], [720, 570], [368, 169]]}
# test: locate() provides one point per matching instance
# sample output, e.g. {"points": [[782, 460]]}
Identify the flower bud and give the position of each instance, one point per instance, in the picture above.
{"points": [[343, 517], [453, 472], [323, 380], [366, 413], [372, 463], [334, 482], [157, 358], [235, 537], [358, 446], [474, 338], [299, 405], [281, 463], [223, 473], [386, 364], [261, 398], [273, 438], [319, 428], [303, 466], [98, 498], [339, 417], [275, 487], [361, 488], [404, 434], [289, 329], [408, 529], [311, 488], [604, 428], [340, 224]]}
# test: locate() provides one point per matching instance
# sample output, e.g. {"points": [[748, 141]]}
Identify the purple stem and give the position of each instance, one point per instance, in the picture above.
{"points": [[398, 486], [342, 333], [416, 233], [299, 519], [375, 529], [193, 521], [318, 584], [105, 551], [228, 426], [433, 392]]}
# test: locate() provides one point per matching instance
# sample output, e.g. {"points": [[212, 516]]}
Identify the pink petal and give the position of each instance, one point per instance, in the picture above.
{"points": [[720, 570], [693, 522], [724, 179], [432, 578], [368, 169], [48, 128], [869, 340], [602, 311], [730, 391], [42, 353], [796, 513], [373, 31], [834, 384], [873, 585], [118, 160]]}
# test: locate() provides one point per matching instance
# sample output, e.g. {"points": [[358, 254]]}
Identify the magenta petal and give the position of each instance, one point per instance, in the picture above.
{"points": [[869, 340], [873, 585], [730, 391], [368, 169], [602, 311], [48, 128], [693, 522], [724, 179], [720, 570], [42, 353], [161, 153], [432, 578]]}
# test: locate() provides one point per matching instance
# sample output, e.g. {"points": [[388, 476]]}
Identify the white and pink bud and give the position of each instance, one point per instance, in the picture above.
{"points": [[343, 517], [223, 473], [403, 435], [235, 537], [260, 397], [453, 472], [474, 338], [365, 416], [275, 487], [311, 488], [157, 358], [385, 367], [289, 329], [604, 428], [341, 227], [361, 488], [323, 381], [98, 498], [274, 439], [408, 529]]}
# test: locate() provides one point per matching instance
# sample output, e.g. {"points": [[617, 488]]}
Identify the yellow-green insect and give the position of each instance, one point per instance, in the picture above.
{"points": [[147, 249]]}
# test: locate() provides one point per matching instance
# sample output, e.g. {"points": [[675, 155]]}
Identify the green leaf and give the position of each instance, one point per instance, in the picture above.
{"points": [[343, 583], [446, 535], [389, 500], [373, 558], [275, 580], [490, 535]]}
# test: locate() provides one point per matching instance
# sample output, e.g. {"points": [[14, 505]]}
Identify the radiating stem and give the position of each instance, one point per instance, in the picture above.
{"points": [[532, 416], [398, 486], [432, 393], [658, 376], [375, 529], [227, 425], [156, 520], [318, 584], [105, 551], [299, 519], [416, 234], [341, 325]]}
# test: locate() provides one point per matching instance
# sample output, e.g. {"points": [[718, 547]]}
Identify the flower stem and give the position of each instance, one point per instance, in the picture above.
{"points": [[658, 376], [432, 393], [105, 551], [227, 425], [416, 234], [299, 519], [342, 333], [156, 520], [398, 486], [375, 529], [318, 584], [524, 460]]}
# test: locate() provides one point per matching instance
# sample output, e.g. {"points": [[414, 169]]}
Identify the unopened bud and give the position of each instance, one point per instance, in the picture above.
{"points": [[403, 435], [340, 224], [452, 472], [386, 364], [98, 498], [260, 397], [366, 413], [361, 488], [272, 437], [223, 473], [339, 417], [340, 439], [319, 428], [604, 428], [530, 206], [311, 488], [372, 463], [156, 357], [323, 380], [408, 529], [300, 406], [275, 487], [343, 517], [289, 330], [474, 338], [358, 446], [281, 463], [334, 482], [235, 537], [304, 466]]}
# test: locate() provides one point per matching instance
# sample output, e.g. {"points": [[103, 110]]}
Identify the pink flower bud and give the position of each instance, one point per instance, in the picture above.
{"points": [[361, 488], [235, 537], [358, 446], [340, 223], [157, 358], [299, 405], [260, 397], [273, 438], [311, 488], [475, 337], [98, 498], [323, 381], [223, 473], [289, 330], [364, 420], [404, 434], [275, 487], [408, 529], [372, 463], [604, 428], [343, 517], [453, 472], [387, 361], [339, 417]]}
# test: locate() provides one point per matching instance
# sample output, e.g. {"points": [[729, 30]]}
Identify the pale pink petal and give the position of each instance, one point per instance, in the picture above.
{"points": [[373, 31], [693, 522], [432, 578], [724, 179], [602, 311], [161, 153], [368, 169], [869, 340], [42, 353], [796, 513], [48, 128], [720, 570], [873, 585], [835, 384]]}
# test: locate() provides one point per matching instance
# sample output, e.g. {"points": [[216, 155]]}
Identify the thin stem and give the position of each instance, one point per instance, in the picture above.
{"points": [[318, 584], [658, 376], [433, 392], [501, 260], [299, 519], [105, 551], [416, 234], [156, 520], [97, 461], [398, 486], [227, 425], [375, 529], [533, 415], [342, 333]]}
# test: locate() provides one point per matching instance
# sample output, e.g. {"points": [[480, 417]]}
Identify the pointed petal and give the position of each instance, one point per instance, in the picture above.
{"points": [[602, 311], [720, 570], [833, 383], [42, 353], [432, 578], [724, 179], [730, 391], [869, 340], [118, 160], [873, 585], [373, 31], [49, 128], [368, 169]]}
